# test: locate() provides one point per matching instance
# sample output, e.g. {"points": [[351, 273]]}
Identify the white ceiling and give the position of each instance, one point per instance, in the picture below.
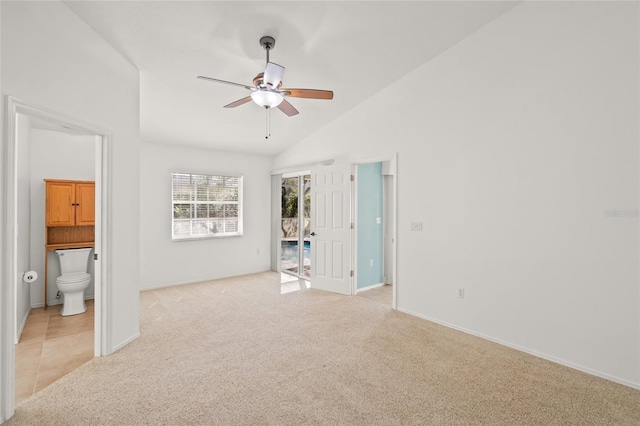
{"points": [[351, 47]]}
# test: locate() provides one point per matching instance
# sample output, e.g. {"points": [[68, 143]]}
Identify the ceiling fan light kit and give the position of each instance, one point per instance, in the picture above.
{"points": [[267, 98], [266, 90]]}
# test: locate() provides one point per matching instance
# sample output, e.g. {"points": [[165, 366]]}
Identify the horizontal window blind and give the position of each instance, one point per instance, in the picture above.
{"points": [[206, 206]]}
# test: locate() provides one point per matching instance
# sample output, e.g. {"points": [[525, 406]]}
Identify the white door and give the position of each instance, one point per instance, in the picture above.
{"points": [[331, 229]]}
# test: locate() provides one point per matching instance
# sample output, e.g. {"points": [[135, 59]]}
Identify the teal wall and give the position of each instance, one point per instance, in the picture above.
{"points": [[369, 232]]}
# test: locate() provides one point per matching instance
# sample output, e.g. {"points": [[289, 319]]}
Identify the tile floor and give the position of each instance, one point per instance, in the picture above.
{"points": [[290, 283], [382, 294], [50, 347]]}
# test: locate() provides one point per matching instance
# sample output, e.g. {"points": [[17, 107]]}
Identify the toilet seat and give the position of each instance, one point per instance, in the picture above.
{"points": [[73, 277]]}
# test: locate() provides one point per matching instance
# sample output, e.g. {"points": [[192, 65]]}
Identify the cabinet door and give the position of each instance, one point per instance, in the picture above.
{"points": [[85, 203], [60, 199]]}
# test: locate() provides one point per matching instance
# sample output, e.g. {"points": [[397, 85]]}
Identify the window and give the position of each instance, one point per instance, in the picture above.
{"points": [[206, 206]]}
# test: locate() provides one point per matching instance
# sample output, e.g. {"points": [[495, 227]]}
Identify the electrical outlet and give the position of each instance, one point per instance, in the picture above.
{"points": [[461, 293], [370, 262], [416, 226]]}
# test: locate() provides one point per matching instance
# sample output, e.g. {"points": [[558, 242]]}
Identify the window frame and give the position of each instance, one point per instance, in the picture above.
{"points": [[195, 203]]}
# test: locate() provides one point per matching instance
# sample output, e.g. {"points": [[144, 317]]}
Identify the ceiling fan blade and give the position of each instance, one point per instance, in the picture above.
{"points": [[225, 82], [273, 74], [287, 108], [308, 93], [238, 102]]}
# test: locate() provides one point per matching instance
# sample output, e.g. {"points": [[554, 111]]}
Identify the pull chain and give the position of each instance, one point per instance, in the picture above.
{"points": [[267, 47], [268, 130]]}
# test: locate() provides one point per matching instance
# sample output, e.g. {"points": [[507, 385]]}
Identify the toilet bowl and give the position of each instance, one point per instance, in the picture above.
{"points": [[74, 279]]}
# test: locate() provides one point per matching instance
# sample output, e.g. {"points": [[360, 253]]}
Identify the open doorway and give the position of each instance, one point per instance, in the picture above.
{"points": [[295, 241], [374, 239], [85, 144], [49, 344]]}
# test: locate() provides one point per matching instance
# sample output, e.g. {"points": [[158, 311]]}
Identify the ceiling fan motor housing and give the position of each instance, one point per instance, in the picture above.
{"points": [[258, 81]]}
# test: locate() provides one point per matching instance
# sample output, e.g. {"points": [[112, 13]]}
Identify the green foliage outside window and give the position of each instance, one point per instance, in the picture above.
{"points": [[290, 198]]}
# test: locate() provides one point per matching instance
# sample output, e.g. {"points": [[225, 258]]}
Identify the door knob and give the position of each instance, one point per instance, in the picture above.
{"points": [[313, 234]]}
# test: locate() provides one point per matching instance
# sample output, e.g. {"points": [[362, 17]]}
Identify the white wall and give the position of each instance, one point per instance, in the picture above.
{"points": [[55, 155], [512, 148], [23, 294], [164, 262], [7, 361], [52, 59]]}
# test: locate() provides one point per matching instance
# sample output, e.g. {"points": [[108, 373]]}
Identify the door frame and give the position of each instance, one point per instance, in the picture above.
{"points": [[8, 236], [393, 166]]}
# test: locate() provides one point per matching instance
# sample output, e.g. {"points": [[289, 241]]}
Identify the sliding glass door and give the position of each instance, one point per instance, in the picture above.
{"points": [[295, 227]]}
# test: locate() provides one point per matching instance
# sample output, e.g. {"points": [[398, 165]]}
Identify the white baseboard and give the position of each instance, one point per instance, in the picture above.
{"points": [[369, 287], [125, 343], [55, 302], [529, 351], [22, 323], [200, 280]]}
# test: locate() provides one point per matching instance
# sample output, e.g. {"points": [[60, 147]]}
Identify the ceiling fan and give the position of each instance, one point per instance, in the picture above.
{"points": [[267, 88]]}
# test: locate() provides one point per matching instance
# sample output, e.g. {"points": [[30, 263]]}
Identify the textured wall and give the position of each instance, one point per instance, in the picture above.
{"points": [[164, 262], [53, 60], [518, 150]]}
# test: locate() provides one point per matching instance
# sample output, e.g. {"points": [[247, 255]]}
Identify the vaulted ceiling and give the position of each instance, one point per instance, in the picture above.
{"points": [[354, 48]]}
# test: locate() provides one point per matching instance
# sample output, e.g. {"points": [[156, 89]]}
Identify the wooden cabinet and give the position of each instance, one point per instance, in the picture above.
{"points": [[70, 203], [69, 217], [85, 203]]}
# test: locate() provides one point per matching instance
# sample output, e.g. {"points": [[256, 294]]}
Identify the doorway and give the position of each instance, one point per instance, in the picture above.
{"points": [[20, 116], [295, 222], [334, 253], [375, 204]]}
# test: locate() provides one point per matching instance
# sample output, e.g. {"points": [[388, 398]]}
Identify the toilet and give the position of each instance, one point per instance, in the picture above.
{"points": [[74, 279]]}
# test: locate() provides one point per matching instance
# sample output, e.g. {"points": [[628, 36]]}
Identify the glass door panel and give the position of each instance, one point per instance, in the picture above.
{"points": [[289, 235], [295, 238], [306, 219]]}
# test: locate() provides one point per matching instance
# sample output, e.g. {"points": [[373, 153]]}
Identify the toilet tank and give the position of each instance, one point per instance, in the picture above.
{"points": [[73, 260]]}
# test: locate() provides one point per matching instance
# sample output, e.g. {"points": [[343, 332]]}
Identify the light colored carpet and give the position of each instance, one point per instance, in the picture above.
{"points": [[238, 352]]}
